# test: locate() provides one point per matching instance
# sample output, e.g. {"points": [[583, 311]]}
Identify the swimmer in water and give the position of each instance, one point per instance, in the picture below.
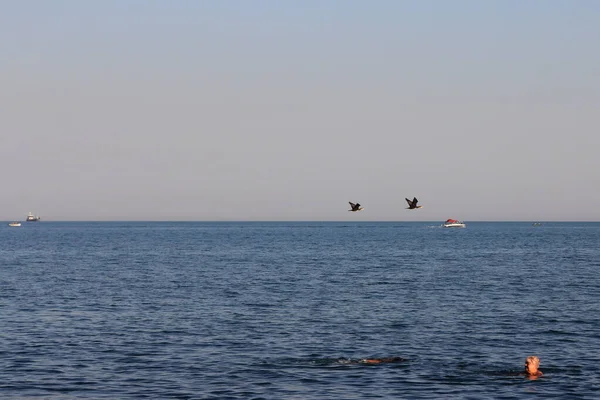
{"points": [[532, 363], [370, 361], [380, 360]]}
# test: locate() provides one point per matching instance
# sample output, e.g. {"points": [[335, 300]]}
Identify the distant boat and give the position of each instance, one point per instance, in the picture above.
{"points": [[14, 224], [537, 224], [32, 218], [454, 223]]}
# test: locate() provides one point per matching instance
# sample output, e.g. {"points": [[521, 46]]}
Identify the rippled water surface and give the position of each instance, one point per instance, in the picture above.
{"points": [[284, 310]]}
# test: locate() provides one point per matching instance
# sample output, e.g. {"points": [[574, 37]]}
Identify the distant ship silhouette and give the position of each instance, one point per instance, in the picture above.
{"points": [[32, 218]]}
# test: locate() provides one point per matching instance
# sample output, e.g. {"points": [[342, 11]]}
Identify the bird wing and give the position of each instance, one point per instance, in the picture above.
{"points": [[415, 201], [352, 204], [408, 201]]}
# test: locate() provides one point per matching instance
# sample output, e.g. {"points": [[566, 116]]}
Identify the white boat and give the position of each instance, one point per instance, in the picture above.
{"points": [[32, 218], [454, 223], [14, 224]]}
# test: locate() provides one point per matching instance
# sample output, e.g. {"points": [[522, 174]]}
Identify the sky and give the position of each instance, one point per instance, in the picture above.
{"points": [[287, 110]]}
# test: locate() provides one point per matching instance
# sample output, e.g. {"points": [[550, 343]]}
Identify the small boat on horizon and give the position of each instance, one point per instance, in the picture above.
{"points": [[454, 223], [32, 218], [14, 224]]}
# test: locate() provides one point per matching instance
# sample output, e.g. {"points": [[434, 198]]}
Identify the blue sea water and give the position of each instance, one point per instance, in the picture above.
{"points": [[283, 310]]}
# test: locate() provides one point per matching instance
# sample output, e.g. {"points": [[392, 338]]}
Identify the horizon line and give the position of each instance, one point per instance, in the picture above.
{"points": [[288, 221]]}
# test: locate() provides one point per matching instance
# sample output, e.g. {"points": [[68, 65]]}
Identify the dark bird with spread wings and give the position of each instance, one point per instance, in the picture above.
{"points": [[412, 205], [355, 207]]}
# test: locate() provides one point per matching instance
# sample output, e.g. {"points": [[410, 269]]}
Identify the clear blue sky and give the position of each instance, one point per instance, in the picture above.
{"points": [[287, 110]]}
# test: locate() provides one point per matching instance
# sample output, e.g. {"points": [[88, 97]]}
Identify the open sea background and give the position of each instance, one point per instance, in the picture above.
{"points": [[278, 310]]}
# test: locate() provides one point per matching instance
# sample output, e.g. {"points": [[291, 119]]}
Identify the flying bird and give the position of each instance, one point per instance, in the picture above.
{"points": [[355, 207], [412, 205]]}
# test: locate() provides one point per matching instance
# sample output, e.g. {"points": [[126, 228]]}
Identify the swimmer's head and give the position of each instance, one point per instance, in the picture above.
{"points": [[532, 364]]}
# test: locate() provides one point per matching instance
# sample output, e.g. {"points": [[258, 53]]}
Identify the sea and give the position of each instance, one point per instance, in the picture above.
{"points": [[286, 310]]}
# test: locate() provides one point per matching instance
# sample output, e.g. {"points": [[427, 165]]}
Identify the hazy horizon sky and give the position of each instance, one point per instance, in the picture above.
{"points": [[287, 110]]}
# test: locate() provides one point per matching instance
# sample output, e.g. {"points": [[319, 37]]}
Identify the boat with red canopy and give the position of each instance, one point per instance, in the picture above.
{"points": [[454, 223]]}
